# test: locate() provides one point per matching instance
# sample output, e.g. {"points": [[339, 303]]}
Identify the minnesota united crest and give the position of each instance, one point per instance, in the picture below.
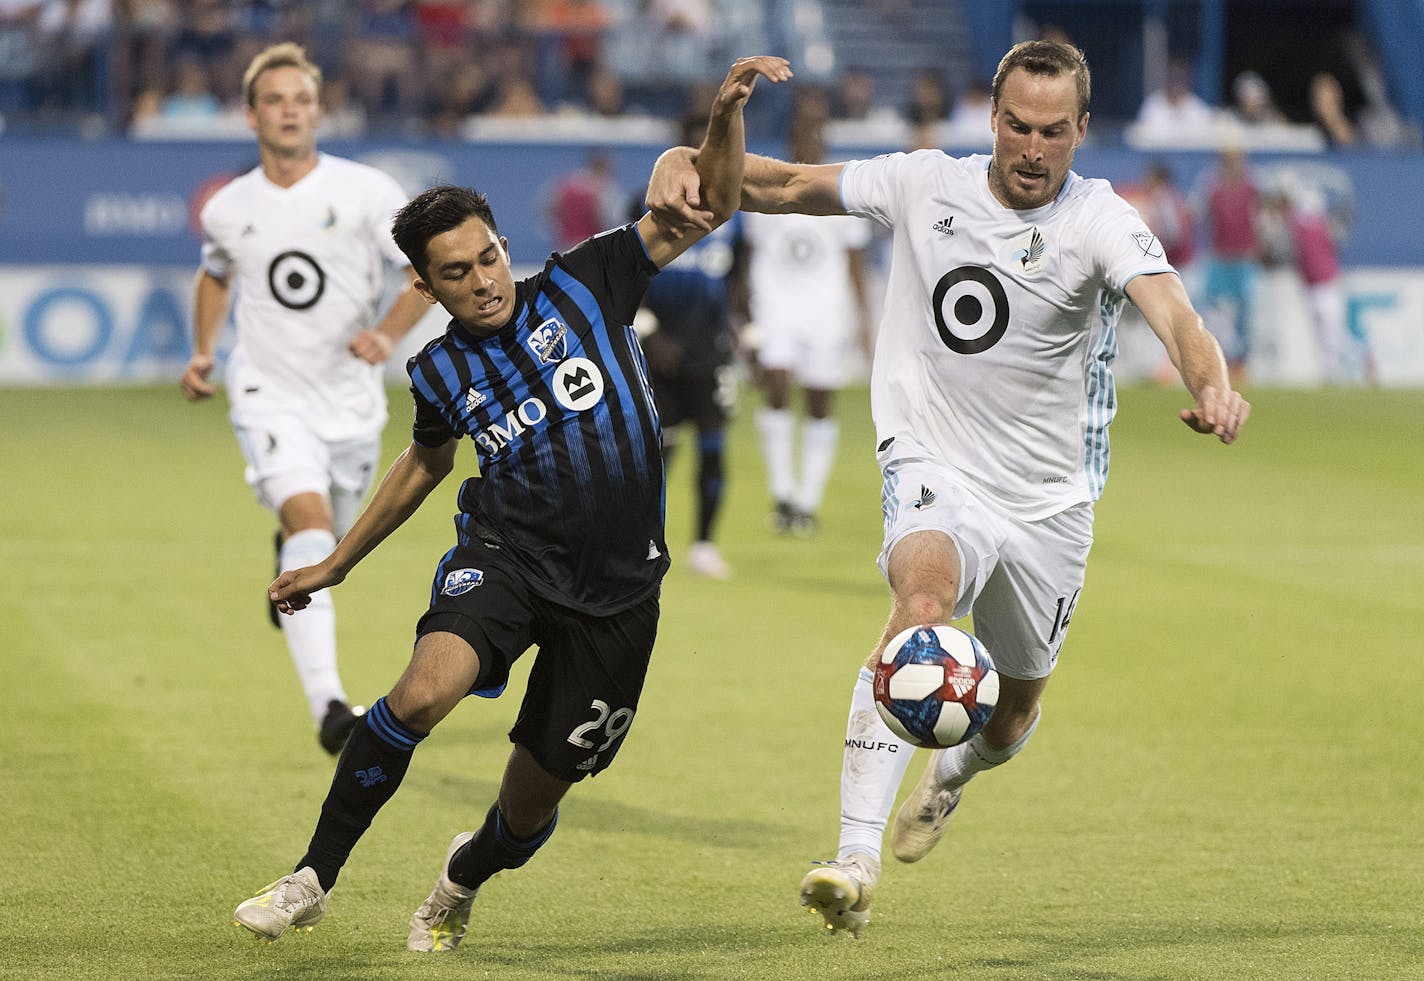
{"points": [[1028, 253]]}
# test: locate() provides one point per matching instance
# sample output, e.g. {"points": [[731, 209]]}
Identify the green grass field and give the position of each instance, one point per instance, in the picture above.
{"points": [[1228, 782]]}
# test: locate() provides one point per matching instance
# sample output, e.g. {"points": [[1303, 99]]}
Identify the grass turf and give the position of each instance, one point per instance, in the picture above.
{"points": [[1227, 782]]}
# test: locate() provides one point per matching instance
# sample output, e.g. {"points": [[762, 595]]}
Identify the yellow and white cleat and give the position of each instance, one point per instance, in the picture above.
{"points": [[841, 891], [293, 902]]}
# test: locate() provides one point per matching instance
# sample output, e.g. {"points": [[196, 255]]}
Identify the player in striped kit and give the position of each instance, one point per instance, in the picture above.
{"points": [[992, 392], [560, 536]]}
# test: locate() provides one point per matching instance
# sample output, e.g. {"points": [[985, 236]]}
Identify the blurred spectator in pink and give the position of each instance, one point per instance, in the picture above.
{"points": [[584, 202], [1314, 237], [1175, 108], [1230, 204]]}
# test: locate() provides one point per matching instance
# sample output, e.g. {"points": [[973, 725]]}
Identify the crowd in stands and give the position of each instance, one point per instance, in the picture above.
{"points": [[154, 68]]}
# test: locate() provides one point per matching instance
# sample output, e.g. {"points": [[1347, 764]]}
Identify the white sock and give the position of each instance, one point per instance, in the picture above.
{"points": [[311, 633], [778, 430], [818, 459], [874, 763], [959, 763]]}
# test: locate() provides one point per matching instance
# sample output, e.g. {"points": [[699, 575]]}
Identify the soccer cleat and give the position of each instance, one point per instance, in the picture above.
{"points": [[439, 924], [704, 560], [804, 524], [293, 902], [781, 517], [921, 820], [337, 724], [841, 890]]}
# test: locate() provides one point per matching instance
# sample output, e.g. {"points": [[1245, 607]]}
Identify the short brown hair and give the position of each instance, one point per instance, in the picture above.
{"points": [[1051, 58], [284, 55]]}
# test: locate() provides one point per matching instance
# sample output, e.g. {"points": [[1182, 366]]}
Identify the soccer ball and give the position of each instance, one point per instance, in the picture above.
{"points": [[935, 686]]}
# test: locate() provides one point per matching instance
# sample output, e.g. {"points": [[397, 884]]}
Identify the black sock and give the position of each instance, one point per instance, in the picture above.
{"points": [[709, 482], [370, 769], [494, 848]]}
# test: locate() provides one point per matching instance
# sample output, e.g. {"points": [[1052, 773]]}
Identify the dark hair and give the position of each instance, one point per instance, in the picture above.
{"points": [[434, 212], [1051, 58]]}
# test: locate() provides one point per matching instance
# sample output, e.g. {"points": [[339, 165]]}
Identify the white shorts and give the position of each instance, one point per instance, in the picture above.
{"points": [[285, 458], [814, 358], [1020, 579]]}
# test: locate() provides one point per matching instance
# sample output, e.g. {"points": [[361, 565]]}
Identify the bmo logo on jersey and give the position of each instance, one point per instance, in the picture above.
{"points": [[497, 436], [578, 384]]}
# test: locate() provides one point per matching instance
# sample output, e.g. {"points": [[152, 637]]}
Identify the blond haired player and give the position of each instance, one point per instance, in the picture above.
{"points": [[304, 242]]}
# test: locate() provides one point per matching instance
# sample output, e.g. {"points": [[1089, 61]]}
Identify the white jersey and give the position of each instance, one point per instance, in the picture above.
{"points": [[309, 266], [799, 274], [995, 348]]}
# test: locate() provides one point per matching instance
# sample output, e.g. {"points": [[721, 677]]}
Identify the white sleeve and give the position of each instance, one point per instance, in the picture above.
{"points": [[871, 188], [215, 259], [1123, 246]]}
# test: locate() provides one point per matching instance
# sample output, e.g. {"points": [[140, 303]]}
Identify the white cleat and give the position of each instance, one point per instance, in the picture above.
{"points": [[921, 820], [439, 924], [841, 891], [293, 902], [706, 562]]}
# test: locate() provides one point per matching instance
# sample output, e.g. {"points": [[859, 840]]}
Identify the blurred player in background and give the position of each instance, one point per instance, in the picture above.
{"points": [[304, 241], [686, 328], [560, 541], [810, 305], [992, 395]]}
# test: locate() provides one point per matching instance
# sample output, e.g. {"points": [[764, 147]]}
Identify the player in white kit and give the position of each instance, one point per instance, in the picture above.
{"points": [[810, 299], [304, 241], [992, 393]]}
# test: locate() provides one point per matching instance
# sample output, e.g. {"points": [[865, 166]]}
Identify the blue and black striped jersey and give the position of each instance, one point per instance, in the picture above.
{"points": [[562, 417]]}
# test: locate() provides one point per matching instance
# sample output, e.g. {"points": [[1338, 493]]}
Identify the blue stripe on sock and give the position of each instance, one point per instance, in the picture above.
{"points": [[388, 728], [527, 847]]}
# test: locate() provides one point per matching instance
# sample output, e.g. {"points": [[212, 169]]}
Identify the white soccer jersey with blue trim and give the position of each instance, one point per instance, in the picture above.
{"points": [[997, 335], [309, 265]]}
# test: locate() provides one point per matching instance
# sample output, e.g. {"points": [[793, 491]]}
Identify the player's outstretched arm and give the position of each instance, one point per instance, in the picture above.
{"points": [[769, 186], [718, 162], [416, 472], [1219, 410]]}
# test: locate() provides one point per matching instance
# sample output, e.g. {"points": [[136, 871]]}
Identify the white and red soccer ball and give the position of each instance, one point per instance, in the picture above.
{"points": [[935, 686]]}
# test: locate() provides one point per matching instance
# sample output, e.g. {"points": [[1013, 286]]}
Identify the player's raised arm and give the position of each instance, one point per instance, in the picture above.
{"points": [[1219, 409], [416, 472], [715, 169], [769, 186]]}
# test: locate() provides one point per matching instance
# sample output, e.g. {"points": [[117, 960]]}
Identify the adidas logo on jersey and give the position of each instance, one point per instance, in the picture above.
{"points": [[473, 400], [945, 225]]}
